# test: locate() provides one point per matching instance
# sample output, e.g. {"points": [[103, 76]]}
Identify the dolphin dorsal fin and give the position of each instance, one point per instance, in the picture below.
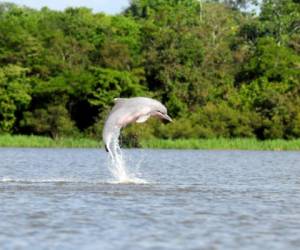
{"points": [[120, 100]]}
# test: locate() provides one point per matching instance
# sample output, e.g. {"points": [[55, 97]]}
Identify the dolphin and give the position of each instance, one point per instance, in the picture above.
{"points": [[129, 110]]}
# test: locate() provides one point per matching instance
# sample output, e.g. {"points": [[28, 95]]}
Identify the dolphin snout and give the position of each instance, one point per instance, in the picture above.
{"points": [[167, 118]]}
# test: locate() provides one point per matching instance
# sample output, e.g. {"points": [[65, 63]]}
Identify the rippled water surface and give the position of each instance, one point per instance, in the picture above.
{"points": [[66, 199]]}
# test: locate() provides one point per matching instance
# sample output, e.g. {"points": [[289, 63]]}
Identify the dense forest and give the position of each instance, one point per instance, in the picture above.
{"points": [[221, 70]]}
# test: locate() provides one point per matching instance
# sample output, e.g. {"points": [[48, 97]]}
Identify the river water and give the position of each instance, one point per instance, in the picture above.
{"points": [[67, 199]]}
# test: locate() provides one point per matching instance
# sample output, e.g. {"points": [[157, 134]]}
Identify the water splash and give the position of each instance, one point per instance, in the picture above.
{"points": [[117, 165]]}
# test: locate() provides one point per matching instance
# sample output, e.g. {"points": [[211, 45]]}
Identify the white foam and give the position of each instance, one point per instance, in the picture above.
{"points": [[130, 181], [50, 180], [70, 181]]}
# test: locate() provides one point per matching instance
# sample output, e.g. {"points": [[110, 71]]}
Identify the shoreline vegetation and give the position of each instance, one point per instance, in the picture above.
{"points": [[221, 71], [32, 141]]}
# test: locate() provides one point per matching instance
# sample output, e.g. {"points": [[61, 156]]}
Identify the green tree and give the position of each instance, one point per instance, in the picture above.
{"points": [[221, 71], [52, 121], [14, 95], [281, 19]]}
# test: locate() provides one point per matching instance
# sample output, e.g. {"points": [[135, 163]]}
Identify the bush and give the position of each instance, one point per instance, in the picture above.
{"points": [[53, 121]]}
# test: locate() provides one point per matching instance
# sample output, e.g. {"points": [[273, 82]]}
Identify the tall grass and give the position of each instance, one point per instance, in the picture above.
{"points": [[46, 142], [212, 144], [223, 144]]}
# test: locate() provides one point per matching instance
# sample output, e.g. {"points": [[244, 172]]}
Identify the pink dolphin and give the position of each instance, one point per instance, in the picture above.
{"points": [[129, 110]]}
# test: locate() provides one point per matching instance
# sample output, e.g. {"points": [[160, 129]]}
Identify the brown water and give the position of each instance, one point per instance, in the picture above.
{"points": [[67, 199]]}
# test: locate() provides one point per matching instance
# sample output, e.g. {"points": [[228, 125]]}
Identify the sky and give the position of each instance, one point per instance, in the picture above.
{"points": [[107, 6]]}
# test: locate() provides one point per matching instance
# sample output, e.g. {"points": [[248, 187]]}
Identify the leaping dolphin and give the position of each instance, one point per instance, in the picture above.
{"points": [[129, 110]]}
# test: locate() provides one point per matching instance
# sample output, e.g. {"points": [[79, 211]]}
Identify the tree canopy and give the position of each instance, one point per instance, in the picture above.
{"points": [[221, 71]]}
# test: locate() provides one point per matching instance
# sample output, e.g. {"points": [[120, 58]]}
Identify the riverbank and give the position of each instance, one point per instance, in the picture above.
{"points": [[224, 144], [211, 144], [32, 141]]}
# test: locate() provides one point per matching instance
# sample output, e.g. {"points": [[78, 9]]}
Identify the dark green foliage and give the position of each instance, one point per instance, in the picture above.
{"points": [[14, 95], [220, 71], [53, 121]]}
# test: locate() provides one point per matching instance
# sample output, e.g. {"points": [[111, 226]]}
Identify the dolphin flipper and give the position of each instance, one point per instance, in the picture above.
{"points": [[142, 118]]}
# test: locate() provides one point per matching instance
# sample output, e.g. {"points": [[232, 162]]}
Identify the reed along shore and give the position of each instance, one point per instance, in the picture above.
{"points": [[33, 141]]}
